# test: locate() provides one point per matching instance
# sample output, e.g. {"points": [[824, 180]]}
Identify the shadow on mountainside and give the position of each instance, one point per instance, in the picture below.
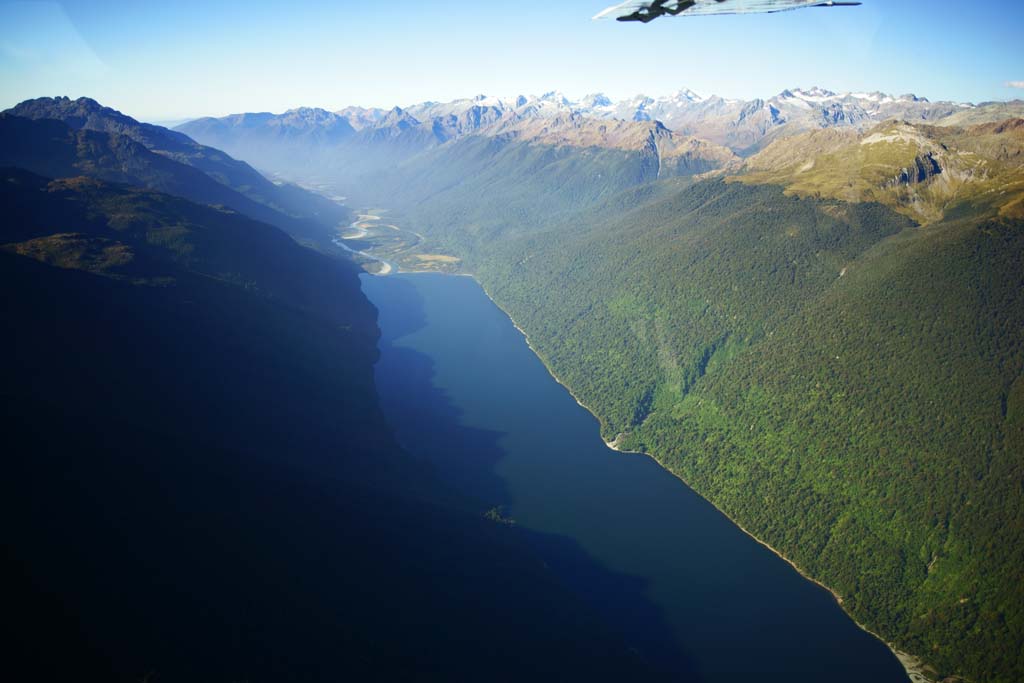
{"points": [[430, 425]]}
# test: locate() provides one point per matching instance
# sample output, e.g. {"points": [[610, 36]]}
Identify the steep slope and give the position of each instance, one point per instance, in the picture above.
{"points": [[297, 205], [51, 148], [200, 485], [872, 439], [683, 271], [841, 384], [207, 241]]}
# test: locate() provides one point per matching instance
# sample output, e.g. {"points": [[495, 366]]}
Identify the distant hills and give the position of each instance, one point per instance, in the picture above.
{"points": [[744, 126]]}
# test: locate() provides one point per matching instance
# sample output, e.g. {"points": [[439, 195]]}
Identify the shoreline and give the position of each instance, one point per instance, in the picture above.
{"points": [[913, 666]]}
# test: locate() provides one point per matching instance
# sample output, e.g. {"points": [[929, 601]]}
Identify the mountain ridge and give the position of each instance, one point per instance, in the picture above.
{"points": [[378, 139], [178, 159], [735, 123]]}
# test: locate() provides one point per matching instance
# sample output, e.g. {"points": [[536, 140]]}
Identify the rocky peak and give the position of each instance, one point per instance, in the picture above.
{"points": [[596, 100], [557, 97], [88, 114], [686, 95], [313, 115], [815, 93], [75, 113], [398, 117]]}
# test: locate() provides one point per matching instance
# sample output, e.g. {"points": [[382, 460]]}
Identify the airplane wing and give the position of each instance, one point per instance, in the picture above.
{"points": [[644, 11]]}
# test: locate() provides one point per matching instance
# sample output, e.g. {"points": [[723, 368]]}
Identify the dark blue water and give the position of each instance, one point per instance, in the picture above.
{"points": [[681, 583]]}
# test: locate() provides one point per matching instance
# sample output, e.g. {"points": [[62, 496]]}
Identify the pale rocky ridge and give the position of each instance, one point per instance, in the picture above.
{"points": [[744, 126]]}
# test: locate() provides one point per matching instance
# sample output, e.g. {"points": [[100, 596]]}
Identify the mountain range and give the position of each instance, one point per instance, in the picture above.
{"points": [[742, 125], [336, 152]]}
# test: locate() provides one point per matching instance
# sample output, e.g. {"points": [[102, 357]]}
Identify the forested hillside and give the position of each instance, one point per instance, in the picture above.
{"points": [[840, 383], [876, 437]]}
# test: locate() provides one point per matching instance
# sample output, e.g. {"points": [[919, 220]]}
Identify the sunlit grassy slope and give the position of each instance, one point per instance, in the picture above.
{"points": [[921, 171]]}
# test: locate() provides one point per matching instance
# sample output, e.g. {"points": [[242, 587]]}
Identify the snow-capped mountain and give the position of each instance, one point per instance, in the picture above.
{"points": [[746, 125], [638, 108], [743, 126]]}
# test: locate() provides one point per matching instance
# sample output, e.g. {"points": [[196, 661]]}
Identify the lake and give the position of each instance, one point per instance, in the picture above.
{"points": [[681, 583]]}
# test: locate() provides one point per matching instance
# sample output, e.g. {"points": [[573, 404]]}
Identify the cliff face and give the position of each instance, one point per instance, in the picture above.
{"points": [[924, 167]]}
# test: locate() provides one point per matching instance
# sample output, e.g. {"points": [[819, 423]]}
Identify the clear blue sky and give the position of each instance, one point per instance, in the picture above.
{"points": [[168, 60]]}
